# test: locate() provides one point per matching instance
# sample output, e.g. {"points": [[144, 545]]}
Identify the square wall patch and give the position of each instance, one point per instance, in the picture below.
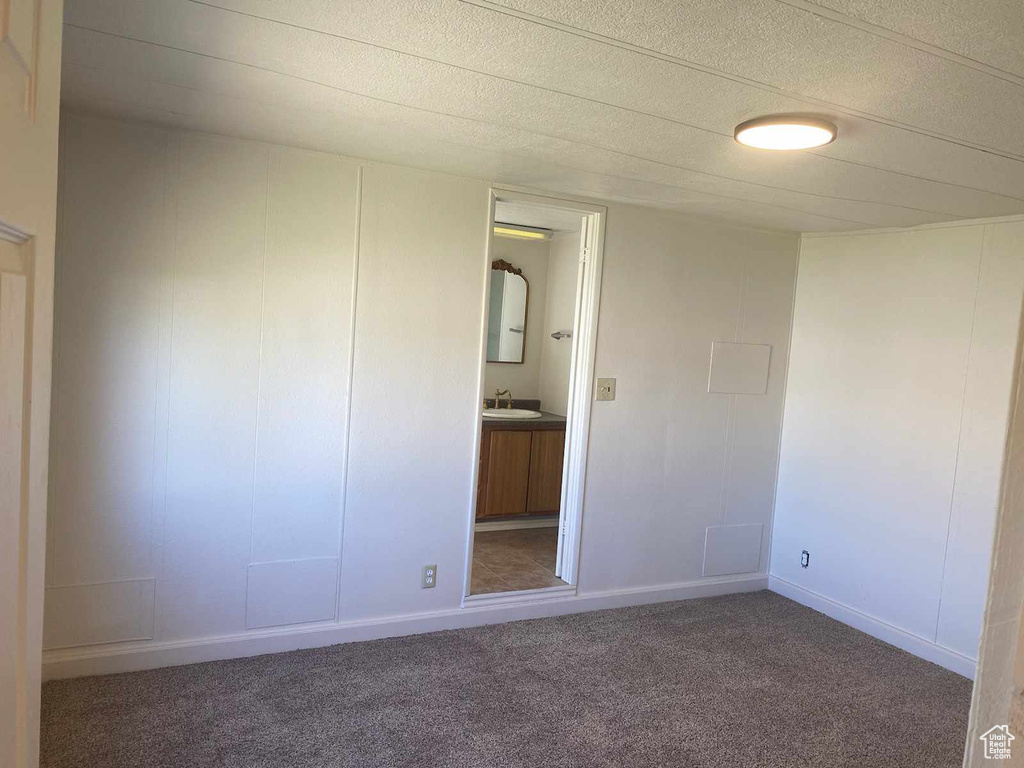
{"points": [[732, 549], [739, 369]]}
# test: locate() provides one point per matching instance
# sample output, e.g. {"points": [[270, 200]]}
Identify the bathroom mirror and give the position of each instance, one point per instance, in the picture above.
{"points": [[506, 318]]}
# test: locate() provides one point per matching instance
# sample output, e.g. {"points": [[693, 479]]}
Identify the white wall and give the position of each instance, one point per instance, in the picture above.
{"points": [[559, 313], [668, 459], [409, 484], [205, 301], [523, 380], [224, 347], [896, 414]]}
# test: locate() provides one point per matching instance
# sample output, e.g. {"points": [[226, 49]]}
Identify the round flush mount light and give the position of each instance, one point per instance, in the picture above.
{"points": [[786, 132]]}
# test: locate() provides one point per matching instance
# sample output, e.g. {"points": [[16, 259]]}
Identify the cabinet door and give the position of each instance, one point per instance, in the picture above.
{"points": [[546, 472], [508, 473]]}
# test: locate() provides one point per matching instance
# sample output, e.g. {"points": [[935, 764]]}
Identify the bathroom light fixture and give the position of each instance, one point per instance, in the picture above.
{"points": [[520, 232], [786, 132]]}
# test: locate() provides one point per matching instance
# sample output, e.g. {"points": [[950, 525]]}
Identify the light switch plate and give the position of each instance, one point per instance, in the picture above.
{"points": [[606, 389]]}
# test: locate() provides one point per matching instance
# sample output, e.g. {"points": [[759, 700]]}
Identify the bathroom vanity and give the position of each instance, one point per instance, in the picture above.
{"points": [[520, 467]]}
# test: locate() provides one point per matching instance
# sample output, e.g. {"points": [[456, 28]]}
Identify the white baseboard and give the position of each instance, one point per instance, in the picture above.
{"points": [[515, 525], [915, 644], [130, 657]]}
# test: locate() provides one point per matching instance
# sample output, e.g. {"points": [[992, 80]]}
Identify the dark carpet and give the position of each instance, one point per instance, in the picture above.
{"points": [[745, 680]]}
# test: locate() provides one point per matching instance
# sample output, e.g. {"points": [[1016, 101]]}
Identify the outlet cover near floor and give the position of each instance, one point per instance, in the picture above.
{"points": [[606, 389], [429, 580]]}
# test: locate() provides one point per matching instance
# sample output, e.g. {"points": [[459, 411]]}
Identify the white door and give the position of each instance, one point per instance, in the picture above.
{"points": [[30, 48], [579, 399]]}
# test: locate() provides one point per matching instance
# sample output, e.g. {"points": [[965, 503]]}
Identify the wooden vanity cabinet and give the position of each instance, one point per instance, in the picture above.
{"points": [[508, 474], [545, 492], [520, 472]]}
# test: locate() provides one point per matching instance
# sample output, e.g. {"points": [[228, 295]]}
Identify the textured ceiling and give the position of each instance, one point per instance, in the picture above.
{"points": [[527, 215], [629, 101]]}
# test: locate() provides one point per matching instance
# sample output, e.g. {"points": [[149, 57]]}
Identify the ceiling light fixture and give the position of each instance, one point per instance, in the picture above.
{"points": [[520, 232], [786, 132]]}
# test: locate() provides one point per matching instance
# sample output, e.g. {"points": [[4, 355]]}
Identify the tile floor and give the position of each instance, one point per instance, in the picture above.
{"points": [[505, 561]]}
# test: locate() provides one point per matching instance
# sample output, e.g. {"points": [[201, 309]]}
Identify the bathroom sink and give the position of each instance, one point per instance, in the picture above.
{"points": [[510, 413]]}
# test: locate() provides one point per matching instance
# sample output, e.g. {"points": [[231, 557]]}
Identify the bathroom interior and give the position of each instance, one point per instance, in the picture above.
{"points": [[532, 306]]}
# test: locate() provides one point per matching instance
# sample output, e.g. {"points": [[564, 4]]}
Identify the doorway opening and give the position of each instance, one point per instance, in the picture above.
{"points": [[543, 265]]}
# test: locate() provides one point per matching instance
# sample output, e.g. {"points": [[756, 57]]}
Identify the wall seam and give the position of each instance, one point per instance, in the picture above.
{"points": [[52, 512], [156, 379], [160, 333], [730, 424], [975, 222], [741, 310], [723, 493], [785, 397], [357, 235], [175, 141], [103, 583], [960, 428], [259, 381]]}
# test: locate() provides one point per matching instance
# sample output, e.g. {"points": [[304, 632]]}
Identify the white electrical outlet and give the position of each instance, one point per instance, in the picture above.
{"points": [[606, 389], [429, 577]]}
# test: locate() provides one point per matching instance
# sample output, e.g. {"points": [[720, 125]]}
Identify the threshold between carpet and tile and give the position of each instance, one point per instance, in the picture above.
{"points": [[750, 680]]}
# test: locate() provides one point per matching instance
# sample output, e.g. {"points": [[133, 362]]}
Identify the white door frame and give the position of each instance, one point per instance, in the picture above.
{"points": [[22, 545], [581, 388]]}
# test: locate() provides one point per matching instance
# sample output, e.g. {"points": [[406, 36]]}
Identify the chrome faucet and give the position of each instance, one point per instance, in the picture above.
{"points": [[497, 397]]}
